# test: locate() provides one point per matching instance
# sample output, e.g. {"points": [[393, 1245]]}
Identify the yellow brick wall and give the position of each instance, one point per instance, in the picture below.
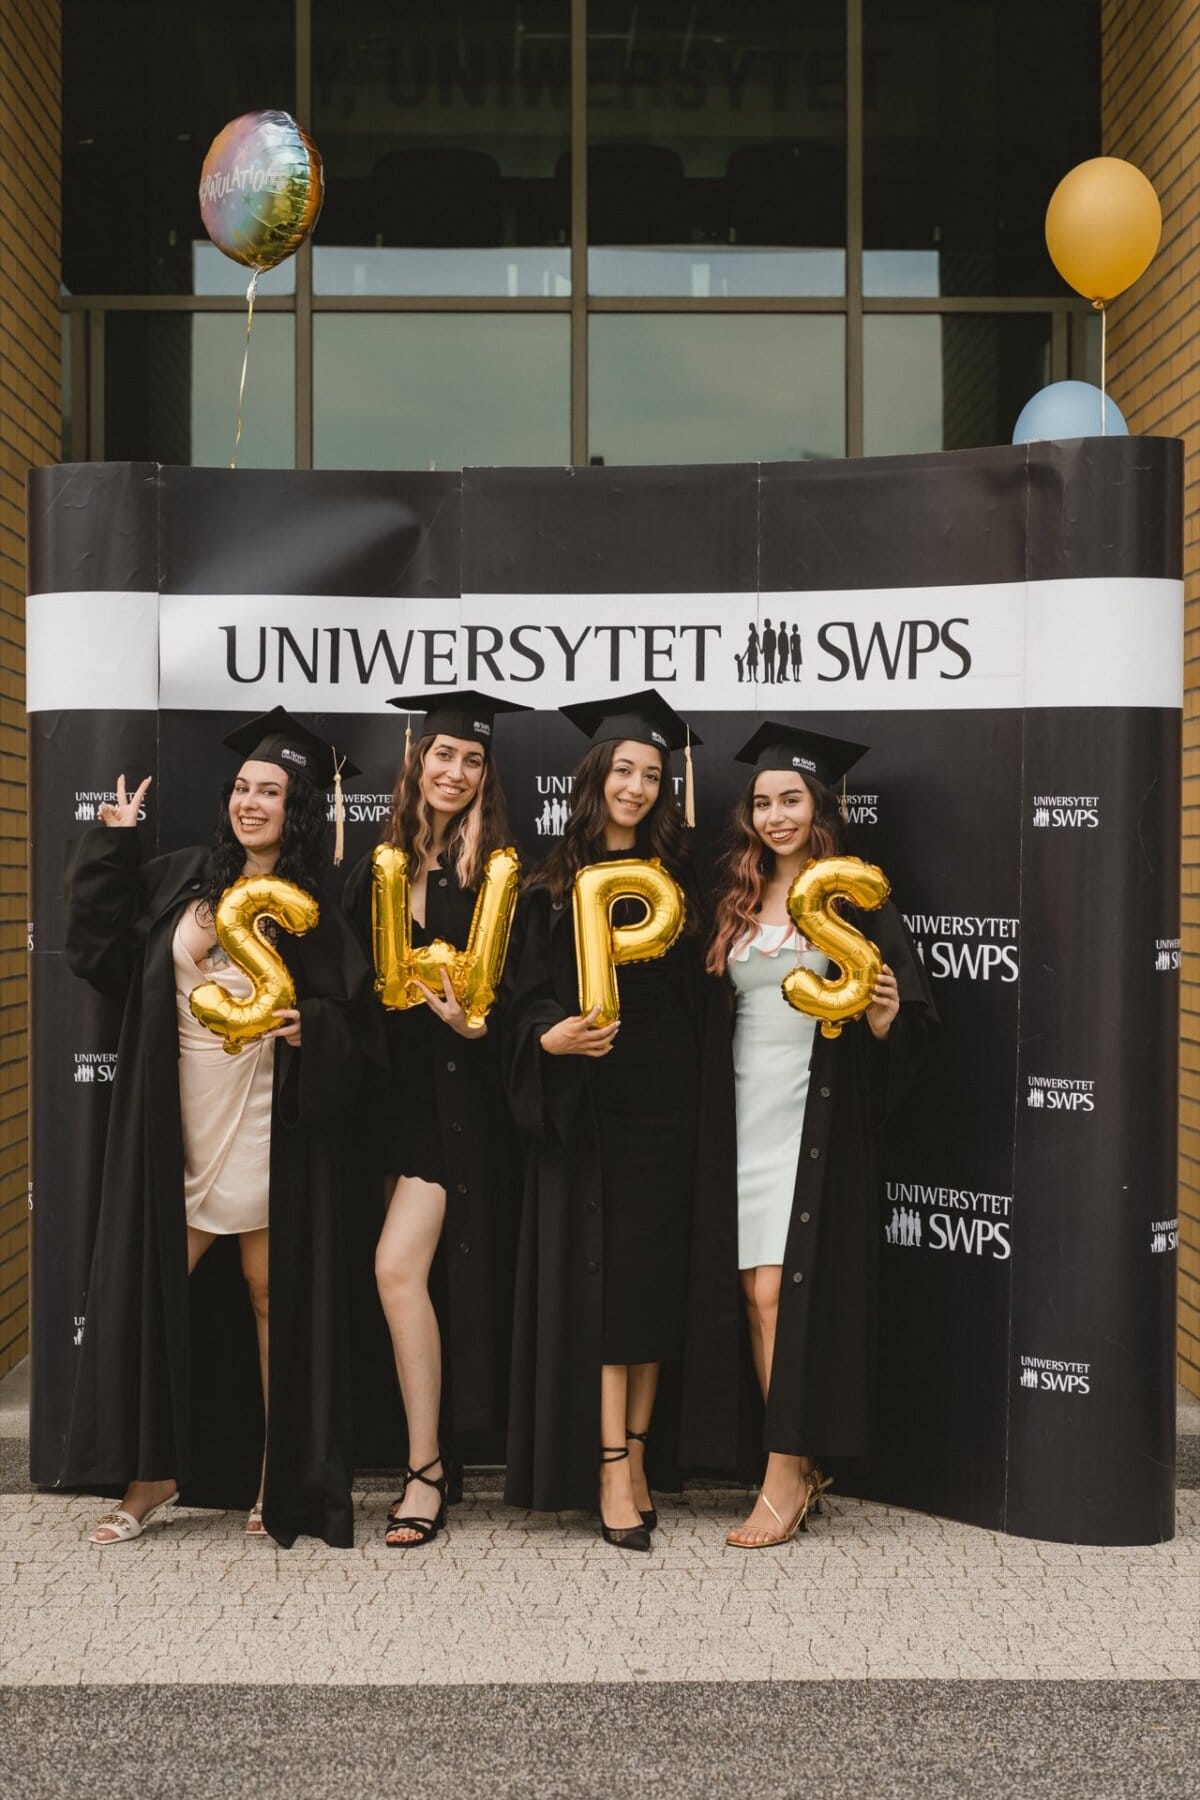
{"points": [[30, 433], [1151, 116]]}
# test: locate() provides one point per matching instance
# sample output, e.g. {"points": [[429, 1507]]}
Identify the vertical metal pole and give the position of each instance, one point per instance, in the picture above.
{"points": [[303, 337], [95, 386], [579, 280], [854, 227]]}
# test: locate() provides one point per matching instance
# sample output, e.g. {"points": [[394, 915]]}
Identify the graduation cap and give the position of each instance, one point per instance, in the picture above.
{"points": [[278, 737], [788, 748], [457, 713], [642, 718]]}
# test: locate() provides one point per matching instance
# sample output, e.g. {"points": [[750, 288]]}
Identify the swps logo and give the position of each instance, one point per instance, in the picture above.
{"points": [[1166, 955], [1164, 1236], [1060, 1093], [1048, 1375], [93, 1066], [1070, 811], [962, 1220], [360, 809], [88, 802], [965, 946]]}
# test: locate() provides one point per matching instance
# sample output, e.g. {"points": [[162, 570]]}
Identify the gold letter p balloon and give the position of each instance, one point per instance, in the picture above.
{"points": [[848, 996]]}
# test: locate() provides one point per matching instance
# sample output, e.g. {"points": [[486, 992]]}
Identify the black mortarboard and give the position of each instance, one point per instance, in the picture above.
{"points": [[277, 737], [643, 718], [458, 712], [788, 747]]}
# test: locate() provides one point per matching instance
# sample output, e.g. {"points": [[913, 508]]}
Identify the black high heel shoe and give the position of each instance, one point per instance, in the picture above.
{"points": [[650, 1516], [623, 1537], [427, 1529]]}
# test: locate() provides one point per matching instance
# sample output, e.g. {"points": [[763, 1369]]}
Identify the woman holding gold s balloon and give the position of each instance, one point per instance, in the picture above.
{"points": [[608, 1114], [440, 1141], [787, 1222], [210, 1149]]}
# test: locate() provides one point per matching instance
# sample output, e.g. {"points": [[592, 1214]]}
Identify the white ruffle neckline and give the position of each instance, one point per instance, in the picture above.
{"points": [[783, 935]]}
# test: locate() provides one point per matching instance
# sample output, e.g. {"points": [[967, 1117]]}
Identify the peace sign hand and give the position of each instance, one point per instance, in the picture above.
{"points": [[126, 808]]}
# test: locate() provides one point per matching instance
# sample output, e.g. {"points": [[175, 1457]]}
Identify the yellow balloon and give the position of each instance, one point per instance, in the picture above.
{"points": [[1103, 224], [240, 912], [474, 972], [834, 1001], [600, 945]]}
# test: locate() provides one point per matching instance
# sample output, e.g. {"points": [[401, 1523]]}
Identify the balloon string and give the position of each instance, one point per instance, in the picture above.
{"points": [[1103, 311], [251, 291]]}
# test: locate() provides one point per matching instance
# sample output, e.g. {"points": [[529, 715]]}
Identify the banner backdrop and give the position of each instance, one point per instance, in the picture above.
{"points": [[1003, 627]]}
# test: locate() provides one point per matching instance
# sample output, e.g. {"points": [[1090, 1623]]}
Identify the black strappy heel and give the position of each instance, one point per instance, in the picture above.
{"points": [[623, 1537], [427, 1528], [649, 1517]]}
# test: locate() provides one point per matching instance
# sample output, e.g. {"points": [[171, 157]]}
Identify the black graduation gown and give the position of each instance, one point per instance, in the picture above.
{"points": [[471, 1283], [554, 1408], [822, 1374], [168, 1381]]}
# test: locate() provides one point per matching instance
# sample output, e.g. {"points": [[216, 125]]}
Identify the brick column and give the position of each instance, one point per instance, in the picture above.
{"points": [[30, 433], [1151, 109]]}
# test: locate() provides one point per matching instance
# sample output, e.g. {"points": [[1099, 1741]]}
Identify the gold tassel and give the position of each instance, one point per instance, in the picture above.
{"points": [[407, 737], [689, 785], [844, 808], [339, 815]]}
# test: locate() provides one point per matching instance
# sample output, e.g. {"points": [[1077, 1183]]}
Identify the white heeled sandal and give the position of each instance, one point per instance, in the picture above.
{"points": [[254, 1522], [125, 1527]]}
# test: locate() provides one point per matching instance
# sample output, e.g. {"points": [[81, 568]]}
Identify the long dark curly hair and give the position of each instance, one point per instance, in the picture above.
{"points": [[304, 855], [480, 828], [660, 833], [748, 865]]}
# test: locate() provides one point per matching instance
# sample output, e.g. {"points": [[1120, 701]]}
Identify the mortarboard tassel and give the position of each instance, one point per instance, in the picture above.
{"points": [[407, 735], [845, 811], [689, 785], [339, 814]]}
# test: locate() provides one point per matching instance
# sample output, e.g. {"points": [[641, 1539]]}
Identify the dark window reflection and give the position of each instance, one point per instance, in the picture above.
{"points": [[440, 390], [974, 110], [171, 388], [716, 156], [949, 381], [442, 127], [147, 84], [716, 389]]}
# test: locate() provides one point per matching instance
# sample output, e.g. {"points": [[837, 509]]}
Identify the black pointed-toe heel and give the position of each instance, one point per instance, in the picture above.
{"points": [[426, 1528], [627, 1537], [650, 1515]]}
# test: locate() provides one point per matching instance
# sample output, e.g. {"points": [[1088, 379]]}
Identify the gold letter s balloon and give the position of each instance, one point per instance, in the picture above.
{"points": [[474, 972], [240, 911], [835, 1001], [600, 945]]}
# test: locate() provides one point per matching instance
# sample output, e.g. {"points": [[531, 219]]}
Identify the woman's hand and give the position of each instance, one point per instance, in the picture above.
{"points": [[885, 1005], [290, 1032], [449, 1009], [126, 808], [580, 1036]]}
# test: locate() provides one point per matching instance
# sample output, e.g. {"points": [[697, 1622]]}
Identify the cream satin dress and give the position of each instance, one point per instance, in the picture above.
{"points": [[225, 1104], [772, 1049]]}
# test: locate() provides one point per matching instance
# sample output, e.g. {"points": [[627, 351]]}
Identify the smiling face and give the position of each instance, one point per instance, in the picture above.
{"points": [[451, 774], [782, 812], [256, 807], [633, 784]]}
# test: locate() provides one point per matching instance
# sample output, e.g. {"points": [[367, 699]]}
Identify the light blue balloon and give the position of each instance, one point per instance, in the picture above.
{"points": [[1068, 409]]}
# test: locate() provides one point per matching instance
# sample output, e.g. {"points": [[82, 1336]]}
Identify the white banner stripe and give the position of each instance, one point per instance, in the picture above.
{"points": [[1110, 642]]}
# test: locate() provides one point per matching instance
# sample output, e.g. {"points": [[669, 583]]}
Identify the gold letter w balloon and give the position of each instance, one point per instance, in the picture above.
{"points": [[600, 945], [809, 897], [474, 972]]}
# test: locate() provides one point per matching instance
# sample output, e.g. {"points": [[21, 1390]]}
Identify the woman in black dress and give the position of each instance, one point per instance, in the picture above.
{"points": [[609, 1119], [208, 1153], [439, 1136], [787, 1215]]}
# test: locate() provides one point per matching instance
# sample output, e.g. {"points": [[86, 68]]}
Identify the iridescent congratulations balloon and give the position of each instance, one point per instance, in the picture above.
{"points": [[261, 188]]}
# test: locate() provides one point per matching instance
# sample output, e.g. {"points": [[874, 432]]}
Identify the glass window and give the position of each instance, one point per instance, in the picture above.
{"points": [[949, 381], [688, 388], [716, 149], [973, 114], [440, 390], [171, 389], [147, 85], [443, 130]]}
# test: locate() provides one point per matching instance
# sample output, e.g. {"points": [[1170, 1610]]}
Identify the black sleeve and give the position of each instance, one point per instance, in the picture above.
{"points": [[543, 1091], [105, 898], [341, 1027], [897, 1060], [356, 904]]}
